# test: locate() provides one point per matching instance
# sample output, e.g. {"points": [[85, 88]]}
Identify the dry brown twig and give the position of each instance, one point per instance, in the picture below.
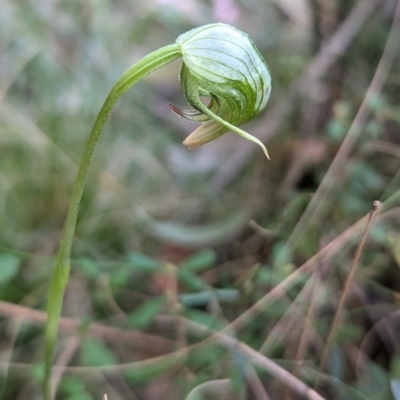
{"points": [[382, 147], [256, 358], [222, 338], [305, 333], [293, 310], [256, 384], [347, 286], [369, 340], [155, 344], [62, 361], [325, 253]]}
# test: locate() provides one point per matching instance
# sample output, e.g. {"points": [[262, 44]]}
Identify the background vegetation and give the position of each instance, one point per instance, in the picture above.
{"points": [[168, 238]]}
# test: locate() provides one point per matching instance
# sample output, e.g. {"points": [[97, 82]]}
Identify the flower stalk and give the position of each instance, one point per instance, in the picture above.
{"points": [[218, 61]]}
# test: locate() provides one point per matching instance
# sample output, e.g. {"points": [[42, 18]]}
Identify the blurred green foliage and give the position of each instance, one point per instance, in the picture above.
{"points": [[151, 204]]}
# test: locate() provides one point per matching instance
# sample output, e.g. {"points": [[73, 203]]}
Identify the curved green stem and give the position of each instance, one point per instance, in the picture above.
{"points": [[61, 270]]}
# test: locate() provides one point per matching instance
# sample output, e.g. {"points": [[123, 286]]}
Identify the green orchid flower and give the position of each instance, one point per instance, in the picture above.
{"points": [[221, 62]]}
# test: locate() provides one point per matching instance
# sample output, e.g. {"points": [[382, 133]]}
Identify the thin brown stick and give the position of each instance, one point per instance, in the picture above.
{"points": [[347, 286], [293, 310], [63, 360], [222, 338], [369, 340], [256, 384], [7, 347], [110, 369], [304, 337], [319, 276], [280, 373], [153, 343], [174, 306], [382, 147], [257, 359], [301, 350], [326, 252], [104, 282]]}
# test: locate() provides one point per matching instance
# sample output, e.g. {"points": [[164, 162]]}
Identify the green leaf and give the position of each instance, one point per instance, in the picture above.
{"points": [[204, 357], [88, 268], [219, 389], [337, 130], [282, 255], [143, 316], [144, 263], [203, 298], [196, 235], [375, 382], [144, 373], [200, 261], [337, 362], [136, 262], [347, 332], [393, 239], [74, 389], [37, 372], [345, 391], [204, 319], [395, 367], [80, 396], [96, 354], [71, 385], [395, 388], [190, 280], [120, 275], [9, 266]]}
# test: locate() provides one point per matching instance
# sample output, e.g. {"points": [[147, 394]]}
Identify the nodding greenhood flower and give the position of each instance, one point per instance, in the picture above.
{"points": [[221, 62]]}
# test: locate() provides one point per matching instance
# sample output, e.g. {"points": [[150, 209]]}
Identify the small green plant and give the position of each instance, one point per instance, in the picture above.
{"points": [[220, 62]]}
